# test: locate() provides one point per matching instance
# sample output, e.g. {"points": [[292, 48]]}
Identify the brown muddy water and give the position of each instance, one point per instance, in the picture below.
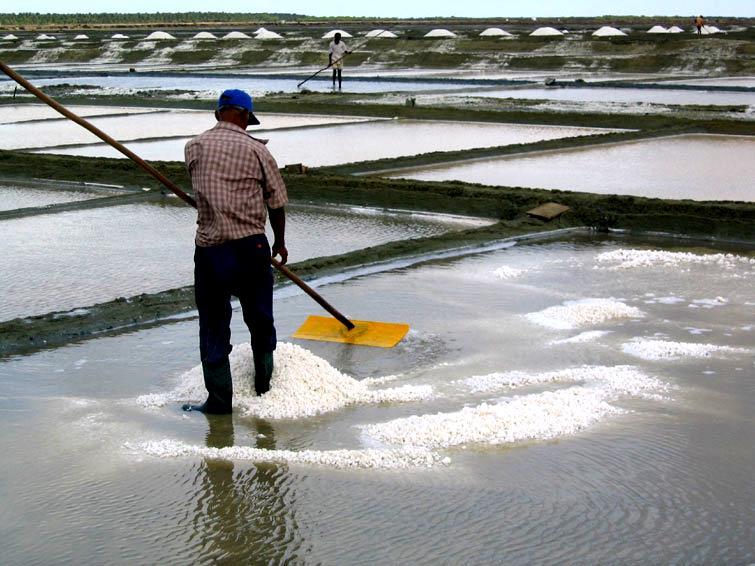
{"points": [[333, 145], [590, 401], [694, 166], [95, 255]]}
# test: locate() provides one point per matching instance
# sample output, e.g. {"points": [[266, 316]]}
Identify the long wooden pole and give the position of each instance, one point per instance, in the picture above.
{"points": [[164, 180]]}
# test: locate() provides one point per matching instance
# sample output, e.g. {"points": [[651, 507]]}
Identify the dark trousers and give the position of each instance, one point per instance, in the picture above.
{"points": [[240, 268]]}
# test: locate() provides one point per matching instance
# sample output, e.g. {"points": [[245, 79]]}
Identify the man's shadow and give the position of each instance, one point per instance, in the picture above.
{"points": [[241, 514]]}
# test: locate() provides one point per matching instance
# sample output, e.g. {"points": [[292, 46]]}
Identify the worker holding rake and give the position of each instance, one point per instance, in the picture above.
{"points": [[237, 184], [336, 53]]}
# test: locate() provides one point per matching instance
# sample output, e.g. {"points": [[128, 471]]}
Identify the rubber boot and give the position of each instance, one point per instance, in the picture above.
{"points": [[263, 371], [217, 380]]}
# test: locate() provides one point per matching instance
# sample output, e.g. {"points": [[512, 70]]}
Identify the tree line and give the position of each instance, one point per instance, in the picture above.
{"points": [[32, 18]]}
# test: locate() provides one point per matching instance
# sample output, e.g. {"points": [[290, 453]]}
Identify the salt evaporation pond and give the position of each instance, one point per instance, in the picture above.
{"points": [[255, 85], [155, 124], [13, 196], [695, 166], [741, 82], [651, 459], [10, 113], [360, 142], [627, 95], [143, 248]]}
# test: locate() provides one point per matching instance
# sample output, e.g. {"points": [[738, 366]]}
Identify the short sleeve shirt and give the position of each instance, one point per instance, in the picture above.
{"points": [[337, 50], [235, 179]]}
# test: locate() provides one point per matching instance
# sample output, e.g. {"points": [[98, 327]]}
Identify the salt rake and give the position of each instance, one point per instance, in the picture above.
{"points": [[337, 329]]}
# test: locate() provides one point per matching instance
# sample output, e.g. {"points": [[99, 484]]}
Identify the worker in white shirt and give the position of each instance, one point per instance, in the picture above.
{"points": [[336, 53]]}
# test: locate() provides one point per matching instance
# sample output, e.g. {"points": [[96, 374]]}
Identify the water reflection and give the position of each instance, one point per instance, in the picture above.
{"points": [[690, 166], [242, 514]]}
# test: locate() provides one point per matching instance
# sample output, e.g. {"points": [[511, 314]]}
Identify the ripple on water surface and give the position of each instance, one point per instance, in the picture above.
{"points": [[13, 197], [559, 452]]}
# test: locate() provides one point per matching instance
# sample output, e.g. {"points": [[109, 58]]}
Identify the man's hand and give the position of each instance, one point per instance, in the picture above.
{"points": [[280, 249], [278, 222]]}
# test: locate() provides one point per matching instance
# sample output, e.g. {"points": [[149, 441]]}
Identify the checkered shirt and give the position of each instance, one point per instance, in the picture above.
{"points": [[235, 179]]}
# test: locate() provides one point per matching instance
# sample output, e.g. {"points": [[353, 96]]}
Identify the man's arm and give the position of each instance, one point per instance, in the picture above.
{"points": [[278, 222]]}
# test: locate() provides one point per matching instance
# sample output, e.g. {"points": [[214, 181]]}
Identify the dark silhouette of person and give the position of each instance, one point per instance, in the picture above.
{"points": [[699, 23], [241, 515]]}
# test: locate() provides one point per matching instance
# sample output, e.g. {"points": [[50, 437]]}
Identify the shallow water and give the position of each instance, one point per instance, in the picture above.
{"points": [[748, 82], [666, 479], [156, 124], [359, 142], [13, 196], [638, 95], [699, 167], [10, 113], [145, 248], [255, 86]]}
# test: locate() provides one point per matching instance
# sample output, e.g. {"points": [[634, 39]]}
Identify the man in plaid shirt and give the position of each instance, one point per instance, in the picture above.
{"points": [[237, 185]]}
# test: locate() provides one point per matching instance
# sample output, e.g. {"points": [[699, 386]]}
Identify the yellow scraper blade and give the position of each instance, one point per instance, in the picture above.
{"points": [[365, 333]]}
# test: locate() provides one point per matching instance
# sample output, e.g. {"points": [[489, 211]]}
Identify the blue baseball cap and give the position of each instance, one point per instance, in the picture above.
{"points": [[238, 99]]}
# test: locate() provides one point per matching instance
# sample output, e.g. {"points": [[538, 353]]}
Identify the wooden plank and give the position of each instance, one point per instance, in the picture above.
{"points": [[548, 211]]}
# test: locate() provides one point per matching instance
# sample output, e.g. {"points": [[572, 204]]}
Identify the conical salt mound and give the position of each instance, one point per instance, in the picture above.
{"points": [[332, 33], [608, 31], [440, 32], [381, 33], [657, 29], [546, 32], [495, 32], [155, 35], [205, 35], [81, 36], [236, 35], [267, 34]]}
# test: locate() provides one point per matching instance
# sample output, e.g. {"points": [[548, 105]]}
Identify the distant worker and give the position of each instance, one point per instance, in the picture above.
{"points": [[699, 23], [338, 50], [237, 184]]}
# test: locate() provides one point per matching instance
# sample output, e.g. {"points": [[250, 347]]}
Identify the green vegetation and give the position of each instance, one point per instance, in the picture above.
{"points": [[17, 56], [79, 55], [254, 57], [195, 56], [105, 19]]}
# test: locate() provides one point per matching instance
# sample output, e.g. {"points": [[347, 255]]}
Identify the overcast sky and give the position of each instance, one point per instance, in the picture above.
{"points": [[402, 8]]}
